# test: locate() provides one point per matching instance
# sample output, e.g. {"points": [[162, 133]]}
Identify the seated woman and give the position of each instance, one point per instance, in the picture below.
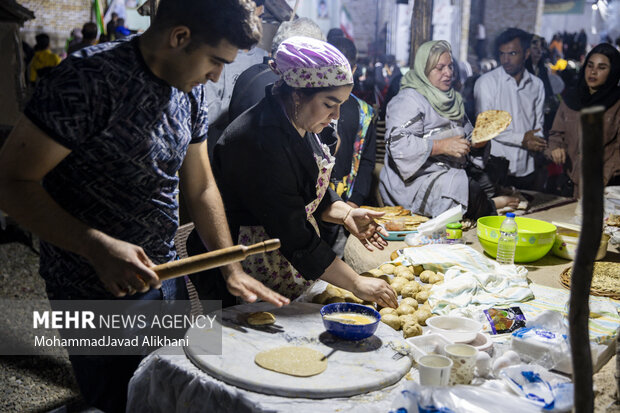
{"points": [[428, 158], [273, 173], [598, 85]]}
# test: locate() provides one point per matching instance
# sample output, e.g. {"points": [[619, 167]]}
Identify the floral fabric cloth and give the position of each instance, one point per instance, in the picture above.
{"points": [[272, 268]]}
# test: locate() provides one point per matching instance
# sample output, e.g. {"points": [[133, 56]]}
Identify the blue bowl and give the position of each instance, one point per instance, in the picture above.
{"points": [[350, 331]]}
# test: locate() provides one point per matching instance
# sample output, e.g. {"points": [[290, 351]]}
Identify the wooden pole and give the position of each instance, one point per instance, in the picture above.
{"points": [[421, 26], [589, 241], [294, 10]]}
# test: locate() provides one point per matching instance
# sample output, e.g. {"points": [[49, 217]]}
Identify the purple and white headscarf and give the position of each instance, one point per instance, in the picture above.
{"points": [[303, 62]]}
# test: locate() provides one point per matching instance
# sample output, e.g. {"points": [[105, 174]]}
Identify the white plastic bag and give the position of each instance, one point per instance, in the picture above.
{"points": [[458, 399]]}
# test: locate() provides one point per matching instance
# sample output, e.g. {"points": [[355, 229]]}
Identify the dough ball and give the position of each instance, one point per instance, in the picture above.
{"points": [[376, 272], [402, 271], [353, 299], [417, 269], [412, 330], [367, 274], [321, 298], [426, 287], [410, 289], [410, 301], [397, 286], [387, 310], [426, 306], [387, 268], [333, 300], [370, 304], [334, 291], [421, 316], [392, 320], [406, 274], [405, 309], [434, 279], [425, 275], [422, 296], [261, 318], [398, 279], [407, 318]]}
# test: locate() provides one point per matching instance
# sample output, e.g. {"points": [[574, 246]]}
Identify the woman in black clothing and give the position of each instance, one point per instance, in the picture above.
{"points": [[273, 173]]}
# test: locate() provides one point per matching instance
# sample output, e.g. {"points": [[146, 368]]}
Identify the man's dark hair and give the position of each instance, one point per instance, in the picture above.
{"points": [[334, 33], [114, 15], [43, 41], [347, 48], [89, 31], [509, 35], [210, 21]]}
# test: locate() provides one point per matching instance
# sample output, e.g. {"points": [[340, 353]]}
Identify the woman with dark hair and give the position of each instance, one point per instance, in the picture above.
{"points": [[597, 86], [274, 172]]}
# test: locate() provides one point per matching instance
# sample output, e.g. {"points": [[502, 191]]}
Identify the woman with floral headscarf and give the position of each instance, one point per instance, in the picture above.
{"points": [[597, 86], [429, 165], [273, 173]]}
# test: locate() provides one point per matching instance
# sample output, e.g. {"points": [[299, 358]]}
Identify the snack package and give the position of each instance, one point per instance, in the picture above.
{"points": [[505, 320]]}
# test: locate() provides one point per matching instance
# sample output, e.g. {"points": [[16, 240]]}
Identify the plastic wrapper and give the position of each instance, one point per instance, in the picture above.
{"points": [[505, 320], [434, 230], [416, 398], [540, 387]]}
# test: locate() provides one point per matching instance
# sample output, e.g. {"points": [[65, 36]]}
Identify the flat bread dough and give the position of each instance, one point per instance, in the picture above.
{"points": [[293, 360], [489, 124], [261, 318]]}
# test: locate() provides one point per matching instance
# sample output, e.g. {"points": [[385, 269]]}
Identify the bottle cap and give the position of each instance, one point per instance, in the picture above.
{"points": [[510, 214], [454, 225]]}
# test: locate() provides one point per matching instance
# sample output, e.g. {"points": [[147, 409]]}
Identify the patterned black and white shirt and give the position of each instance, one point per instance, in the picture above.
{"points": [[128, 132]]}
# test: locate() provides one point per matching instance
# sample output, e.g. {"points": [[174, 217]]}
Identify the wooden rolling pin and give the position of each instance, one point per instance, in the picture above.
{"points": [[212, 259]]}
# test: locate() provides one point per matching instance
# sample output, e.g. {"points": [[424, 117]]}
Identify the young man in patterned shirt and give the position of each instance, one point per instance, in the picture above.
{"points": [[91, 167]]}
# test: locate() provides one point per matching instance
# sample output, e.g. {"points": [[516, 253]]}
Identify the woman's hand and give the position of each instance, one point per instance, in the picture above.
{"points": [[361, 223], [250, 289], [558, 155], [457, 146], [375, 289]]}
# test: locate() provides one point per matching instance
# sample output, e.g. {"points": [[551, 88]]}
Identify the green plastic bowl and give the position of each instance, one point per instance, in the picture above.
{"points": [[535, 237]]}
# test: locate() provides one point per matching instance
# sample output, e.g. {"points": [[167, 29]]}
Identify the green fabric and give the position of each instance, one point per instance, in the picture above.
{"points": [[448, 104]]}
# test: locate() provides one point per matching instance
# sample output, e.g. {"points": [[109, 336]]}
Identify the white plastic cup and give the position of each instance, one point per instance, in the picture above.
{"points": [[434, 370], [463, 357]]}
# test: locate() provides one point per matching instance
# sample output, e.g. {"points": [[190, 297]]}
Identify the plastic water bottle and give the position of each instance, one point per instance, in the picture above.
{"points": [[507, 240]]}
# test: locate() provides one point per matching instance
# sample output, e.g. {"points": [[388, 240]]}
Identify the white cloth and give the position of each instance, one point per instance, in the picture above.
{"points": [[497, 90], [472, 282], [172, 383]]}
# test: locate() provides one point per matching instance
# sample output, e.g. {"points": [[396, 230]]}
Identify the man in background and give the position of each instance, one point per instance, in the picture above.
{"points": [[89, 38], [512, 88]]}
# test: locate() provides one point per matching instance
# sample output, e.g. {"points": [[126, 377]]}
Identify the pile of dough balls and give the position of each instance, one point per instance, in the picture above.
{"points": [[413, 310]]}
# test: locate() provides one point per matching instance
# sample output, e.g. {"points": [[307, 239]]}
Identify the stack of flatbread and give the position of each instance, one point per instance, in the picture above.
{"points": [[489, 124], [411, 221]]}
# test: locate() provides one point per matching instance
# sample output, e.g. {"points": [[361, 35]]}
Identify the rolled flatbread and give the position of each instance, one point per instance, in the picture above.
{"points": [[489, 124]]}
